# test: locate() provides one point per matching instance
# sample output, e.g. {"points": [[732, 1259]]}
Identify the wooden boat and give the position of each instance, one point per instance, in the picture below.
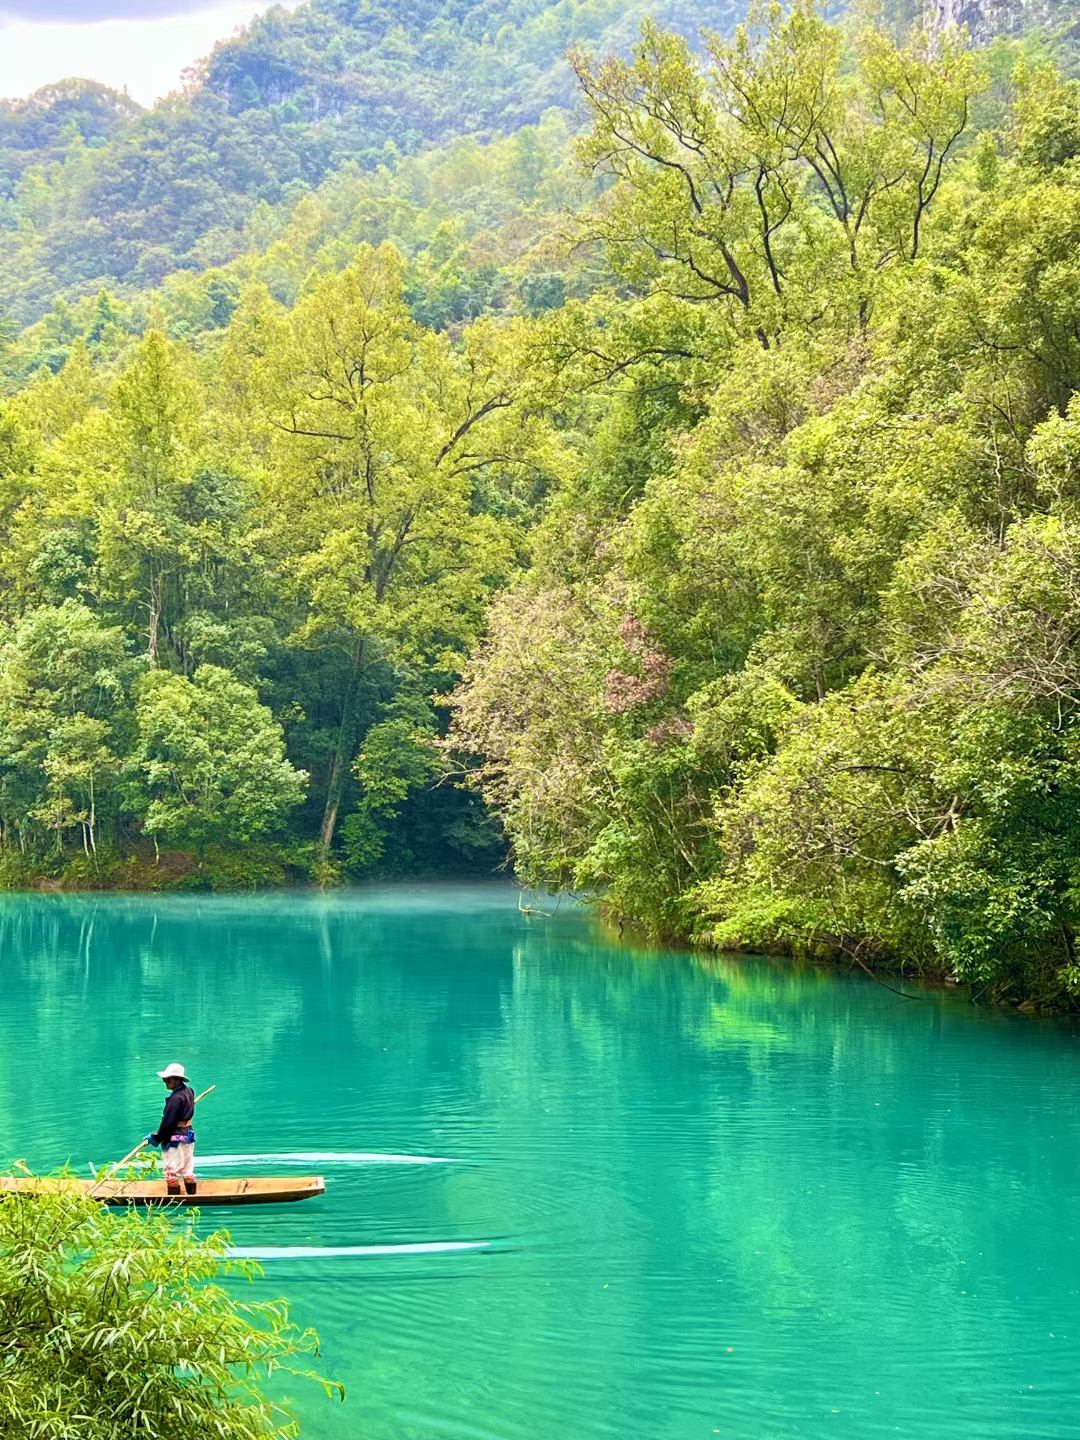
{"points": [[251, 1191]]}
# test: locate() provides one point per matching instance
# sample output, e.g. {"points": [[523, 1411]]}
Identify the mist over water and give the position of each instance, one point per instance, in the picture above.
{"points": [[662, 1196]]}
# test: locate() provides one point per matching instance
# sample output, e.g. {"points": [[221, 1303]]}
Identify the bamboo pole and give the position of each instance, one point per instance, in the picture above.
{"points": [[132, 1153]]}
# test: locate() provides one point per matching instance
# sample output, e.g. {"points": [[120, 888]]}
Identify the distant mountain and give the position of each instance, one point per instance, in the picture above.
{"points": [[415, 70], [988, 19], [39, 130], [94, 190]]}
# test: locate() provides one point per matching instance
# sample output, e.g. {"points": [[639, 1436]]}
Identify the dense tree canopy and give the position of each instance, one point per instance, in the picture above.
{"points": [[797, 676], [315, 515], [728, 524]]}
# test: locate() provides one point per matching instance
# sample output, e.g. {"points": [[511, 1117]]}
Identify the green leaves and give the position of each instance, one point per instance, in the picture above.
{"points": [[398, 755], [775, 178], [63, 724], [213, 759], [113, 1324], [846, 517], [790, 452]]}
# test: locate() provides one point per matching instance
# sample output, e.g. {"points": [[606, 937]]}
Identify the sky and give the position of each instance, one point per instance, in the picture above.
{"points": [[141, 45]]}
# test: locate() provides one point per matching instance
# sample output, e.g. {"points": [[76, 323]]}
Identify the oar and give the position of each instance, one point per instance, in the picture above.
{"points": [[132, 1153]]}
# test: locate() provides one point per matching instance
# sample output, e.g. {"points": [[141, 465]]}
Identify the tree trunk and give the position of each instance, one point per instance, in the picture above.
{"points": [[343, 754], [155, 616]]}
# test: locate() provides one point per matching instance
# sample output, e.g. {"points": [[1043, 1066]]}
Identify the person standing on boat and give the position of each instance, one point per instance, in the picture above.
{"points": [[174, 1134]]}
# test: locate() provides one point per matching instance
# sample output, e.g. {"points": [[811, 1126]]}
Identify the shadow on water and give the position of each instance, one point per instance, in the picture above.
{"points": [[577, 1187]]}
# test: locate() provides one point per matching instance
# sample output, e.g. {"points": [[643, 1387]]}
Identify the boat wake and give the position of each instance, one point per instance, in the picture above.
{"points": [[324, 1157], [312, 1252]]}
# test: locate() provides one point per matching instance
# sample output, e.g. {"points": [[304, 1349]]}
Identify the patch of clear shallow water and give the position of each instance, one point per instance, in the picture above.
{"points": [[679, 1196]]}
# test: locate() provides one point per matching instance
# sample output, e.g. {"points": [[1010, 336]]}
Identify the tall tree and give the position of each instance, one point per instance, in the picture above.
{"points": [[379, 435], [772, 177], [152, 438]]}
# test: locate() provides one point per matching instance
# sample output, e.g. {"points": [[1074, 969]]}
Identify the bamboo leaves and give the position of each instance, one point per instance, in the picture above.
{"points": [[114, 1324]]}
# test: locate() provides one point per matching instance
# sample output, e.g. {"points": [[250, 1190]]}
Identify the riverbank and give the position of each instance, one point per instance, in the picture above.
{"points": [[218, 868], [270, 867], [1031, 992]]}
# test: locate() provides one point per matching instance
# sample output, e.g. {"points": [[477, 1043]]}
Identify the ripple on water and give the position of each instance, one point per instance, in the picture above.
{"points": [[318, 1157], [582, 1190]]}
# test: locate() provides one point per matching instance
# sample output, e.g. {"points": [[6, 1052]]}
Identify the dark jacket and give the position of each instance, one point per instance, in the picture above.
{"points": [[179, 1109]]}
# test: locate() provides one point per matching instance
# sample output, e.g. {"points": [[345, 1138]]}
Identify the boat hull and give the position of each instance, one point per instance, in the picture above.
{"points": [[251, 1191]]}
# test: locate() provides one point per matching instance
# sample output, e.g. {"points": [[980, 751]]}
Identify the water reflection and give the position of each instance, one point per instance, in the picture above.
{"points": [[705, 1195]]}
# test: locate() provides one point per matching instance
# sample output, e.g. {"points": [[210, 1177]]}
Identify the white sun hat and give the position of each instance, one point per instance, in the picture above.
{"points": [[172, 1072]]}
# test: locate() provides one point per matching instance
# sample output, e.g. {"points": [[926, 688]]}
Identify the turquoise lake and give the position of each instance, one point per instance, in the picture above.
{"points": [[577, 1188]]}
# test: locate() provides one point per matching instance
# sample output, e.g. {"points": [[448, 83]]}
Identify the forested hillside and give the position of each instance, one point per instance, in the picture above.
{"points": [[93, 191], [690, 507]]}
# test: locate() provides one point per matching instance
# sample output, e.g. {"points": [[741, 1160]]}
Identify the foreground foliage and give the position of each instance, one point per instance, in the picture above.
{"points": [[116, 1324]]}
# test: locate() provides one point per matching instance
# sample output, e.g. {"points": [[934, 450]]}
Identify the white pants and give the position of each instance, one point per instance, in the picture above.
{"points": [[179, 1161]]}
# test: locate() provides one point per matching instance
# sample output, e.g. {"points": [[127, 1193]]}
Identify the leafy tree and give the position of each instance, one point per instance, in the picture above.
{"points": [[152, 435], [754, 185], [212, 759], [64, 721], [377, 430], [79, 765], [802, 675], [398, 755]]}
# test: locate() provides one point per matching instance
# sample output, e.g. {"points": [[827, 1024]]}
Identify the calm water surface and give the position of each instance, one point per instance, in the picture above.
{"points": [[702, 1197]]}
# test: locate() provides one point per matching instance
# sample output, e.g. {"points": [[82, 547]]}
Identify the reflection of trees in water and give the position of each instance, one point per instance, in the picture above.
{"points": [[100, 989], [722, 1142], [97, 988], [814, 1136]]}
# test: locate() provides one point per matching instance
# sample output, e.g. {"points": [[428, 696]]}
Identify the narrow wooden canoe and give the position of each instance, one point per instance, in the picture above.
{"points": [[252, 1191]]}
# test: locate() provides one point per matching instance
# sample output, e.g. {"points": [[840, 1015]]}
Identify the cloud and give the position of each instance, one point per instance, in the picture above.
{"points": [[86, 12], [146, 56]]}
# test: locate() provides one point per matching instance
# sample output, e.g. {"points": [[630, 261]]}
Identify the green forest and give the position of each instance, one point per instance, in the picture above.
{"points": [[659, 471], [95, 190]]}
